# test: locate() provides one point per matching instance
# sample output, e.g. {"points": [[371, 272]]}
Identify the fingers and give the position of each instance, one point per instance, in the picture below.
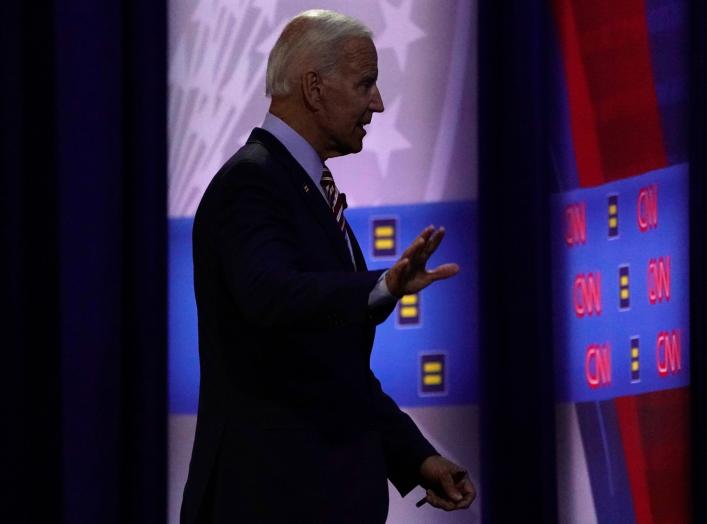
{"points": [[427, 232], [412, 257], [411, 276], [450, 489], [443, 271], [414, 248], [424, 245], [431, 238], [448, 505], [466, 488], [434, 241], [427, 235], [439, 502], [414, 280], [399, 267]]}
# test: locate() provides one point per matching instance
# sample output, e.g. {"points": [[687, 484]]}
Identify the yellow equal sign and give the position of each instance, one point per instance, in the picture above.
{"points": [[433, 380], [432, 374], [613, 216], [409, 310], [384, 237], [384, 243], [624, 289], [635, 361], [432, 367]]}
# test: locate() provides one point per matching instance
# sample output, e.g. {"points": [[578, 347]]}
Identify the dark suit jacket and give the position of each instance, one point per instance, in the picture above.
{"points": [[290, 413]]}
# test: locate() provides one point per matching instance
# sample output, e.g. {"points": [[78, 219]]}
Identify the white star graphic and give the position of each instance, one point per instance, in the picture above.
{"points": [[400, 31], [383, 136]]}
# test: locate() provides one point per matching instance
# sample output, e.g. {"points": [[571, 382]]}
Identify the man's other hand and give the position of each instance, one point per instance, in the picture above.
{"points": [[443, 491], [410, 274]]}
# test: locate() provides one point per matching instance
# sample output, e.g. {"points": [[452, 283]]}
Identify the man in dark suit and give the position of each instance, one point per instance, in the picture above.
{"points": [[292, 425]]}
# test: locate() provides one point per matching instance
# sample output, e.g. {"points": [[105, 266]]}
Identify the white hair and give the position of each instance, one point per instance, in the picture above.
{"points": [[316, 34]]}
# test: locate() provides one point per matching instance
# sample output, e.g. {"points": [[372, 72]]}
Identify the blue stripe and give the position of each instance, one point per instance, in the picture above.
{"points": [[448, 309]]}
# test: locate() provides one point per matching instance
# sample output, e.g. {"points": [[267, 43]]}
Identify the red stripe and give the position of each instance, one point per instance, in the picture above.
{"points": [[635, 459], [615, 118], [586, 144], [665, 426]]}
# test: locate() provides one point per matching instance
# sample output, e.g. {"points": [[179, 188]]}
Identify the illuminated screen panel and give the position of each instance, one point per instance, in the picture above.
{"points": [[620, 260], [621, 249], [417, 167]]}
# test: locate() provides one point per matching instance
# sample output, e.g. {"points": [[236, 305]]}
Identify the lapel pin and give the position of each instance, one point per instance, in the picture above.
{"points": [[306, 188]]}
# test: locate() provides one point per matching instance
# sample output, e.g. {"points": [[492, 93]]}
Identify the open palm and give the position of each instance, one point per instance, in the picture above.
{"points": [[410, 274]]}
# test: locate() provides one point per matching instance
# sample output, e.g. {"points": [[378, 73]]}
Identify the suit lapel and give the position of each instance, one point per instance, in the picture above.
{"points": [[309, 192], [358, 254]]}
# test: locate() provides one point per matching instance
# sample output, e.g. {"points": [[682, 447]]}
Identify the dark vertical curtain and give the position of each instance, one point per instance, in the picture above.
{"points": [[30, 448], [84, 268], [518, 474], [698, 252]]}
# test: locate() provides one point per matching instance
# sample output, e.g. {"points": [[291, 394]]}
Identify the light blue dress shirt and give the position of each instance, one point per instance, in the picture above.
{"points": [[307, 157]]}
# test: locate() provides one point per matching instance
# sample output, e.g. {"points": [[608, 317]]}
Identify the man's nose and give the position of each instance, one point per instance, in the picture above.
{"points": [[376, 104]]}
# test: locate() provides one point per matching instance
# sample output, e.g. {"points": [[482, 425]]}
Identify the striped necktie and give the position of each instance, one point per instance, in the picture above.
{"points": [[337, 201]]}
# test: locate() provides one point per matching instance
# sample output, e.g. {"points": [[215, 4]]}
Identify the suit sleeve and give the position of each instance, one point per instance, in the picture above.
{"points": [[258, 250], [404, 446]]}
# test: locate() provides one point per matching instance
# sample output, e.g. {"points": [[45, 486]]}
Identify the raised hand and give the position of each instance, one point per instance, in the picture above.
{"points": [[410, 274]]}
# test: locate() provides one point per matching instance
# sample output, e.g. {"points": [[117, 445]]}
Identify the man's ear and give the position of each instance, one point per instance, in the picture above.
{"points": [[312, 90]]}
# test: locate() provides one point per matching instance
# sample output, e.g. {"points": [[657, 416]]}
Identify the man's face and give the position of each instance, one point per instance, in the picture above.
{"points": [[349, 97]]}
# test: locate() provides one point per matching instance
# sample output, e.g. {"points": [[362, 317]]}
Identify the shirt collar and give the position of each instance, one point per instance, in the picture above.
{"points": [[298, 147]]}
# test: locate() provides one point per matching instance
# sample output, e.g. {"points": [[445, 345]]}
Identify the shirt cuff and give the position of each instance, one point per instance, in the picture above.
{"points": [[380, 295]]}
